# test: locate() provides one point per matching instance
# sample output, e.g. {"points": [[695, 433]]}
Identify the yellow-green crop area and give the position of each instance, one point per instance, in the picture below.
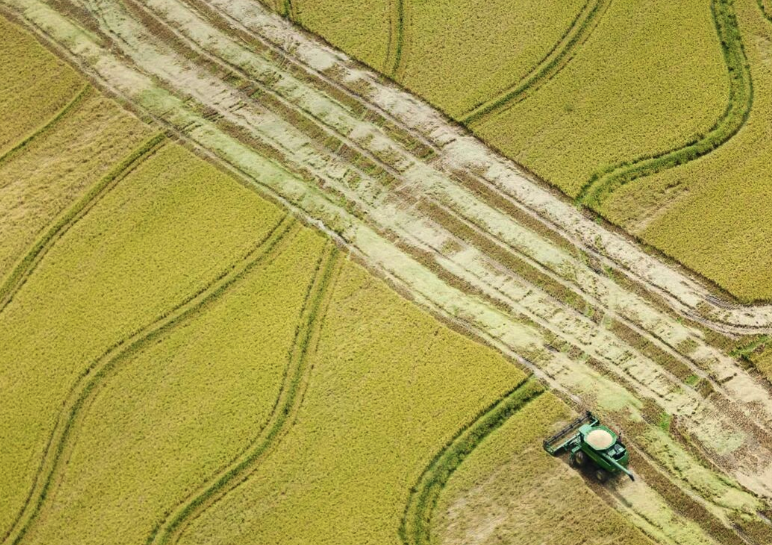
{"points": [[653, 114]]}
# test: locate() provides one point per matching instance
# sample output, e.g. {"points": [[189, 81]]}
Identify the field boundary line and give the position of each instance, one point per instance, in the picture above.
{"points": [[557, 58], [45, 127], [285, 410], [27, 265], [738, 110], [415, 526], [92, 378]]}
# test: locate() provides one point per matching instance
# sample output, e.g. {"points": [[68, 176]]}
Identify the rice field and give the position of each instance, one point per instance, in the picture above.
{"points": [[35, 86]]}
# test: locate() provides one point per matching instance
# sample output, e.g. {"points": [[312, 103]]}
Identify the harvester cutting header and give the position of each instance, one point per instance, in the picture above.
{"points": [[588, 441]]}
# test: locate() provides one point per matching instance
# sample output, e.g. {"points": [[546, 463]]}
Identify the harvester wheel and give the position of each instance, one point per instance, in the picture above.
{"points": [[580, 459], [601, 475]]}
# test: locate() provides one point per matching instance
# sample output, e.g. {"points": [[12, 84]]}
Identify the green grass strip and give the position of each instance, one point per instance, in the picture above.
{"points": [[47, 126], [98, 371], [554, 61], [282, 416], [606, 181], [24, 268], [415, 528]]}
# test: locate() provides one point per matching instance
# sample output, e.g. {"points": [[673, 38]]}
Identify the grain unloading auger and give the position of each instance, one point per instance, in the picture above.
{"points": [[588, 441]]}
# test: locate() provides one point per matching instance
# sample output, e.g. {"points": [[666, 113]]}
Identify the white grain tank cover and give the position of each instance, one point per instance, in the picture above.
{"points": [[599, 439]]}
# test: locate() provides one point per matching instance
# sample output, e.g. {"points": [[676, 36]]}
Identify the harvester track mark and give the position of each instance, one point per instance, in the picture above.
{"points": [[766, 8], [283, 415], [50, 123], [396, 55], [27, 265], [603, 183], [415, 526], [557, 58], [92, 379]]}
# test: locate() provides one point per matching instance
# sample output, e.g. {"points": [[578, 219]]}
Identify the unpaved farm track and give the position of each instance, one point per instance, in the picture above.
{"points": [[459, 229]]}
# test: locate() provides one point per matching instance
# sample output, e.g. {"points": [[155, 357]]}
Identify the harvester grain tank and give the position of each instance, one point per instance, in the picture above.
{"points": [[588, 441]]}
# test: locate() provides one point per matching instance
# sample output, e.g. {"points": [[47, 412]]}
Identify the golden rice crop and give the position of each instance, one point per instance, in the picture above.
{"points": [[460, 53], [509, 491], [388, 387], [650, 78], [183, 407], [52, 171], [160, 235], [360, 28], [710, 214], [34, 85]]}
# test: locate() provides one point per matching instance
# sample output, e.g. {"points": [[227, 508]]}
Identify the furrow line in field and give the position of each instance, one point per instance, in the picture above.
{"points": [[92, 379], [603, 183], [29, 262], [498, 328], [557, 58], [322, 121], [285, 411], [459, 151], [45, 127], [415, 526]]}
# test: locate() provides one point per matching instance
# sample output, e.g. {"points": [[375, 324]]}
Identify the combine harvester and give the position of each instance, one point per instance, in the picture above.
{"points": [[588, 441]]}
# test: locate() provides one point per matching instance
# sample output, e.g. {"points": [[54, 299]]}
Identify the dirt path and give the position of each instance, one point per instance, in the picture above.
{"points": [[437, 214]]}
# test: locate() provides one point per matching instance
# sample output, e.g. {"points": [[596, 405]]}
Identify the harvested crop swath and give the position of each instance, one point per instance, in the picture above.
{"points": [[712, 214], [341, 475], [39, 182], [161, 235], [185, 405], [364, 27], [651, 78], [459, 54], [34, 86], [507, 491]]}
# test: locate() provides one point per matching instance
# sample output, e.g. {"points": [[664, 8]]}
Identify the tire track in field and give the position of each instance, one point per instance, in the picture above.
{"points": [[695, 366], [766, 8], [92, 379], [603, 183], [285, 410], [396, 38], [45, 127], [551, 65], [415, 526], [27, 265]]}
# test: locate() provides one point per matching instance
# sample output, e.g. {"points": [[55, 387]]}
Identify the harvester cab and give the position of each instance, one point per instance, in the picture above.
{"points": [[588, 441]]}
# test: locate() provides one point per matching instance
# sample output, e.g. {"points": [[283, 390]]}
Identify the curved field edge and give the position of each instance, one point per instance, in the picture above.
{"points": [[45, 127], [27, 265], [737, 111], [557, 58], [766, 8], [83, 391], [415, 528], [284, 411]]}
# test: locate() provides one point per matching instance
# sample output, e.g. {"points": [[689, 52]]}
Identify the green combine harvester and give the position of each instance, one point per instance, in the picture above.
{"points": [[588, 441]]}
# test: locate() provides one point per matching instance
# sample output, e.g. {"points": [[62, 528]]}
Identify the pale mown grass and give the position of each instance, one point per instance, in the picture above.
{"points": [[162, 234], [41, 181], [389, 386], [713, 214], [183, 407], [461, 53], [510, 491], [649, 79], [360, 27], [34, 85]]}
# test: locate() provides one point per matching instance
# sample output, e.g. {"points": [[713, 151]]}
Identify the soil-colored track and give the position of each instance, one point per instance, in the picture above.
{"points": [[27, 265], [554, 61], [296, 379], [90, 381], [240, 84]]}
